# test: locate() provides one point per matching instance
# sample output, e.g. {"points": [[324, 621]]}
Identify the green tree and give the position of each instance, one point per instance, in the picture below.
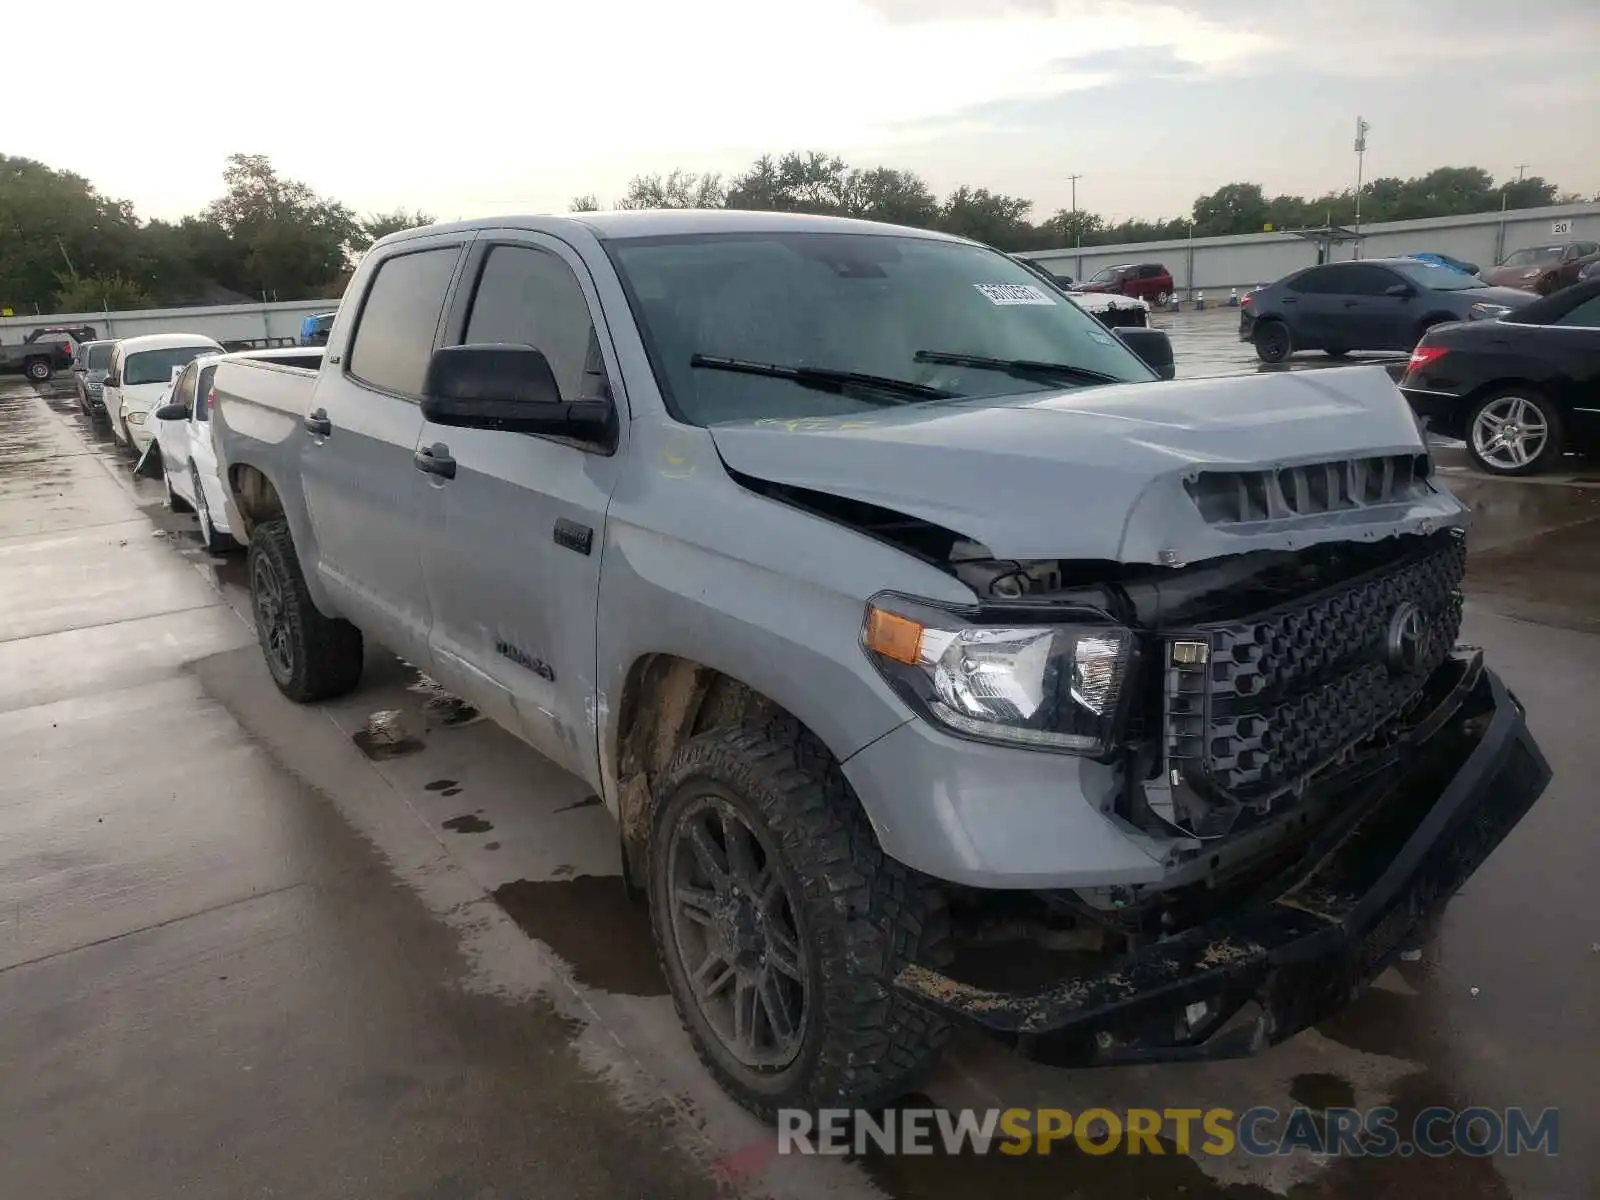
{"points": [[1068, 227], [292, 241], [809, 181], [1232, 208], [885, 194], [677, 189], [380, 225], [587, 202], [992, 218], [54, 222], [100, 293]]}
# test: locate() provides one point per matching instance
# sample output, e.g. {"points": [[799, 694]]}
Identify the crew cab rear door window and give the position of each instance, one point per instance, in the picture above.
{"points": [[399, 320], [1581, 316]]}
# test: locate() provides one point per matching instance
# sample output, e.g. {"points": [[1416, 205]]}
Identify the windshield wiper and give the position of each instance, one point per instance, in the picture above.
{"points": [[826, 379], [1021, 368]]}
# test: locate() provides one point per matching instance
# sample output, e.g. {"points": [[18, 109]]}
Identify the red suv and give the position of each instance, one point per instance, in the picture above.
{"points": [[1147, 281]]}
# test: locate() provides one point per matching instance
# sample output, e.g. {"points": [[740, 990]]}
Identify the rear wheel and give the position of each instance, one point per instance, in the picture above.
{"points": [[1163, 299], [781, 925], [1515, 431], [39, 369], [311, 656], [1272, 341]]}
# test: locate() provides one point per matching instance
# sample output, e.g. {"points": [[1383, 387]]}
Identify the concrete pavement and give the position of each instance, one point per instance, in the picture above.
{"points": [[240, 956]]}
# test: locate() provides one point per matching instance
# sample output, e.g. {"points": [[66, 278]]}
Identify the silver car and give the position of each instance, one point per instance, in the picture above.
{"points": [[89, 364]]}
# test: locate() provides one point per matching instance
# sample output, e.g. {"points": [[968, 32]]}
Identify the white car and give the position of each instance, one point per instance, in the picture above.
{"points": [[1111, 309], [181, 425], [140, 373]]}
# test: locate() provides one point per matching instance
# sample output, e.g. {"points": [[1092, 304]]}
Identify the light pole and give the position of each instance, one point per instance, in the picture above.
{"points": [[1500, 239], [1361, 149], [1077, 233]]}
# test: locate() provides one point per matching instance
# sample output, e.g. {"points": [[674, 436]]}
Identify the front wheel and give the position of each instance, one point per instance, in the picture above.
{"points": [[780, 925], [1515, 431], [1272, 341], [311, 656]]}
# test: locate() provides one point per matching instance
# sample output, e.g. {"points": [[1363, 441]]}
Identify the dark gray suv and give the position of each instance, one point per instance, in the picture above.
{"points": [[1378, 304]]}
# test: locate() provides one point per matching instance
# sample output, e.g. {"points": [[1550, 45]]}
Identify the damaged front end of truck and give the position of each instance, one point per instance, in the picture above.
{"points": [[1311, 760]]}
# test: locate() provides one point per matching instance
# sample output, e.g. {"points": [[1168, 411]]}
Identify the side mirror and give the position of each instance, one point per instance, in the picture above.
{"points": [[112, 380], [1153, 348], [172, 412], [1403, 290], [507, 388]]}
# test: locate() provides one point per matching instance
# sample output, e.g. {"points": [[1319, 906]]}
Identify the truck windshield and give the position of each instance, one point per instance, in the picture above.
{"points": [[844, 302], [155, 366]]}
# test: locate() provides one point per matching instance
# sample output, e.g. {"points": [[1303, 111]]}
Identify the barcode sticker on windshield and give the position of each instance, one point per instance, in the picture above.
{"points": [[1013, 293]]}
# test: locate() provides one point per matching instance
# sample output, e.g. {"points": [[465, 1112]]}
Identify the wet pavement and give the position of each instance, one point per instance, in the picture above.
{"points": [[238, 955]]}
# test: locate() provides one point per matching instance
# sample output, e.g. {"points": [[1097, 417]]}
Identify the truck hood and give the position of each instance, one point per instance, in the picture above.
{"points": [[1100, 472]]}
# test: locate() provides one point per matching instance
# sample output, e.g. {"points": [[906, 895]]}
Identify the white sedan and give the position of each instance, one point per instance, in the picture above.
{"points": [[183, 435], [140, 372]]}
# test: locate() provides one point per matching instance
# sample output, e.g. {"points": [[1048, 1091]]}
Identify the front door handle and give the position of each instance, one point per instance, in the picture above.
{"points": [[435, 460], [317, 423], [1289, 300], [1351, 303]]}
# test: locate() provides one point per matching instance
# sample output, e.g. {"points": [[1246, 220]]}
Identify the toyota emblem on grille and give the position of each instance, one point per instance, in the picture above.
{"points": [[1406, 640]]}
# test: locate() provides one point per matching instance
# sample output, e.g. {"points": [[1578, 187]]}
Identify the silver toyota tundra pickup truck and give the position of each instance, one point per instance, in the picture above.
{"points": [[938, 663]]}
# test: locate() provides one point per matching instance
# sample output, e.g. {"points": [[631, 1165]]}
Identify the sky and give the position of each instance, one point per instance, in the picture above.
{"points": [[478, 108]]}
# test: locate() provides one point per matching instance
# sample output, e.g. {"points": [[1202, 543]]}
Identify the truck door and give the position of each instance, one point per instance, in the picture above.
{"points": [[514, 524], [365, 497]]}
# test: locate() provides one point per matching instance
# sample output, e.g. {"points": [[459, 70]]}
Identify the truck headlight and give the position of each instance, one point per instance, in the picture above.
{"points": [[1047, 686]]}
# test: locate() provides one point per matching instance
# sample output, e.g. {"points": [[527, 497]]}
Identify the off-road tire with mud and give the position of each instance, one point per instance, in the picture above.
{"points": [[324, 653], [862, 917]]}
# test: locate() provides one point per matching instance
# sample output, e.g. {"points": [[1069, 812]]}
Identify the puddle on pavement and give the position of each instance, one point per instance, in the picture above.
{"points": [[1321, 1091], [467, 823], [589, 921]]}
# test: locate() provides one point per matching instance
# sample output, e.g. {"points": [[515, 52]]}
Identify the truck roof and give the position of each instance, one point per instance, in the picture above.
{"points": [[658, 222]]}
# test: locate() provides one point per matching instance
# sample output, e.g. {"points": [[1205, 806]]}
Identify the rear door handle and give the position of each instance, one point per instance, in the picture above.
{"points": [[317, 423], [435, 460], [1351, 303], [1290, 300]]}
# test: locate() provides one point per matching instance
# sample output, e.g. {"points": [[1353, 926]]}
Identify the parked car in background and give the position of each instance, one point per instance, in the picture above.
{"points": [[1544, 269], [140, 373], [89, 365], [1147, 281], [182, 423], [1377, 304], [1444, 260], [1520, 391], [314, 329], [877, 592], [38, 357]]}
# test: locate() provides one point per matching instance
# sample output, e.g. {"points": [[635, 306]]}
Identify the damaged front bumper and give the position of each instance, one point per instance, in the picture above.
{"points": [[1408, 837]]}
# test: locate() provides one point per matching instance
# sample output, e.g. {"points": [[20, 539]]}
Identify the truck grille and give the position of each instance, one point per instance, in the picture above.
{"points": [[1285, 692]]}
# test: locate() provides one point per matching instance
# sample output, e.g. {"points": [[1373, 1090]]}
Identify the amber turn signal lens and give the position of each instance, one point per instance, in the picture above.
{"points": [[894, 636]]}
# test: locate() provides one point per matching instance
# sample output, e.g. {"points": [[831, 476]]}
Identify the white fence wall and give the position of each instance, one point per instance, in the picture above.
{"points": [[1243, 261], [222, 322]]}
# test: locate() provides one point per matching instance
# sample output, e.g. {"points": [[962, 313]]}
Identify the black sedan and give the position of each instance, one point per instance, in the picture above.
{"points": [[1520, 391], [1378, 304]]}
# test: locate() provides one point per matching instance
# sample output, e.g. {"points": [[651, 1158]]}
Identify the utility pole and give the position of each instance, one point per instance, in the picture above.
{"points": [[1077, 234], [1361, 150], [1500, 239]]}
